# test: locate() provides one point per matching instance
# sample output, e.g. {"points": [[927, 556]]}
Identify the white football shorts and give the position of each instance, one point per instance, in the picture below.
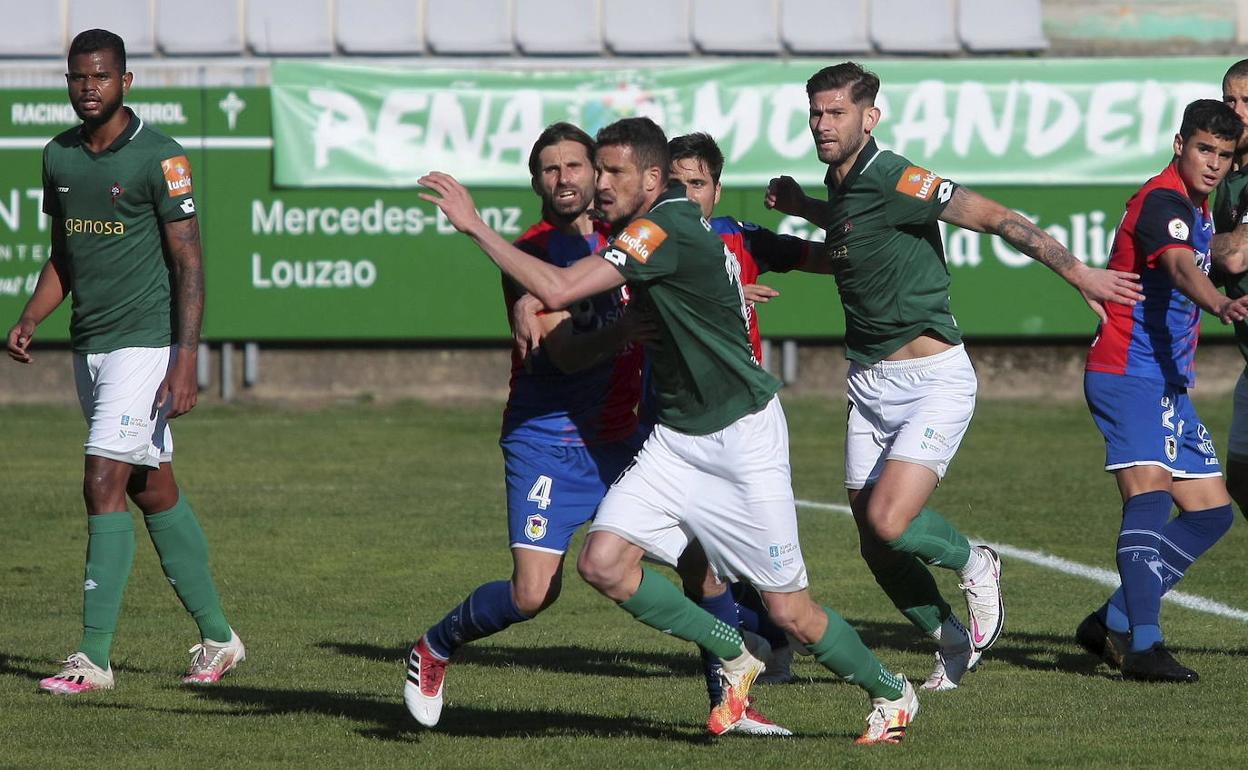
{"points": [[731, 490], [915, 410], [117, 392], [1237, 444]]}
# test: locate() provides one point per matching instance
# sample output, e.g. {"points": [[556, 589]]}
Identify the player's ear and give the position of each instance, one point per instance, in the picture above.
{"points": [[126, 80], [1178, 144], [654, 178], [718, 189], [870, 118]]}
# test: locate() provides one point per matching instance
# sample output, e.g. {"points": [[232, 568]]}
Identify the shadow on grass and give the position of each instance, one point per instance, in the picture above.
{"points": [[389, 720], [565, 659]]}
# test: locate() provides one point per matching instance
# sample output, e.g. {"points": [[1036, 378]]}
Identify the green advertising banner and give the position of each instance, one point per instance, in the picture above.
{"points": [[352, 263], [980, 122]]}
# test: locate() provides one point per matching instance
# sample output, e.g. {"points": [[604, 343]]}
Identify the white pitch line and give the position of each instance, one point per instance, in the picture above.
{"points": [[1095, 574]]}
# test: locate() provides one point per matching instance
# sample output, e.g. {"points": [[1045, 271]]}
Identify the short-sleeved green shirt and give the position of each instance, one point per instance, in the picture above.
{"points": [[705, 373], [884, 246], [1230, 210], [111, 207]]}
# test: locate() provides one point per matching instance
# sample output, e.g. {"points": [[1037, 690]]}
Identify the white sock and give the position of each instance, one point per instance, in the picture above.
{"points": [[975, 567]]}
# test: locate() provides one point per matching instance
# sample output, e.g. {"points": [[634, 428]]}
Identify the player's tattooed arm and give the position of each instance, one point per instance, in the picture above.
{"points": [[181, 386], [972, 211], [1228, 251], [50, 291]]}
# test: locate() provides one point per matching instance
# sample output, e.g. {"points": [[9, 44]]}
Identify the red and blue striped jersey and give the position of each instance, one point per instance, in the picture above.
{"points": [[595, 406], [758, 251], [1155, 338]]}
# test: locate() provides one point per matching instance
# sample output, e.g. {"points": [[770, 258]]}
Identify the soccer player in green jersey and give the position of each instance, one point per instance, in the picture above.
{"points": [[911, 387], [716, 467], [125, 244], [1230, 242]]}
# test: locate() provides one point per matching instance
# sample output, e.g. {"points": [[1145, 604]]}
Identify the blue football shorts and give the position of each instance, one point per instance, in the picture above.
{"points": [[1149, 422], [553, 489]]}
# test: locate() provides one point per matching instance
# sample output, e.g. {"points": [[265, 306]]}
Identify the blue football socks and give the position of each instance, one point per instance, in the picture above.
{"points": [[724, 608], [487, 610], [754, 617], [1181, 542], [1139, 564]]}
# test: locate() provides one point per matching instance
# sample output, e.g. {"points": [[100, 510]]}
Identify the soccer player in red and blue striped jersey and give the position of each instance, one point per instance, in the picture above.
{"points": [[1139, 368]]}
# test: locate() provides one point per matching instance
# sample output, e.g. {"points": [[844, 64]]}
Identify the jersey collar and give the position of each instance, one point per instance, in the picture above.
{"points": [[865, 156], [133, 126]]}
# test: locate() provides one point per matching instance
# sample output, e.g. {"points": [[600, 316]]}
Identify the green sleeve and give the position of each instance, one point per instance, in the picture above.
{"points": [[645, 250], [51, 199], [912, 194], [170, 179]]}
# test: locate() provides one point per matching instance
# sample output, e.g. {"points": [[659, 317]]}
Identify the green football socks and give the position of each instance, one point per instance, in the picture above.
{"points": [[910, 585], [110, 552], [183, 552], [842, 652], [934, 540], [660, 604]]}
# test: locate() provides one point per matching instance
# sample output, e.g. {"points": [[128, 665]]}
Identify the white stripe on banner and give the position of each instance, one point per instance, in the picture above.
{"points": [[1057, 563], [191, 142]]}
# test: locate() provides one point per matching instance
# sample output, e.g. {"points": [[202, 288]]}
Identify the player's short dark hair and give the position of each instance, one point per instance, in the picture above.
{"points": [[1212, 116], [1237, 71], [701, 147], [92, 40], [554, 134], [644, 136], [863, 84]]}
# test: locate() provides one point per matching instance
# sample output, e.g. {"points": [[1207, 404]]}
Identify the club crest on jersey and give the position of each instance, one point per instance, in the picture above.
{"points": [[535, 527], [115, 191], [1178, 229], [177, 172], [918, 182], [640, 239]]}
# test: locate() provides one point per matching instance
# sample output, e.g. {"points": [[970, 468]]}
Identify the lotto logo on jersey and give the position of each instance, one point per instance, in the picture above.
{"points": [[640, 239], [177, 175], [918, 182]]}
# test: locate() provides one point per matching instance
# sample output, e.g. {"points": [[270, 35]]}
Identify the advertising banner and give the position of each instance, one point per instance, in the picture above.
{"points": [[982, 122]]}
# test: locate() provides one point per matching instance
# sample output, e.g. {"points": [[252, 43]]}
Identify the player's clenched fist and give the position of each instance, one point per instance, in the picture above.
{"points": [[1234, 310], [785, 195]]}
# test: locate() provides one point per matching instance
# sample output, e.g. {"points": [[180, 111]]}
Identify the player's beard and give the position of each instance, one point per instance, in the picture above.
{"points": [[844, 151], [107, 111]]}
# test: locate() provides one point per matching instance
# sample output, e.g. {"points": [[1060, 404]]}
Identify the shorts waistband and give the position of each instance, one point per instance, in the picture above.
{"points": [[911, 365]]}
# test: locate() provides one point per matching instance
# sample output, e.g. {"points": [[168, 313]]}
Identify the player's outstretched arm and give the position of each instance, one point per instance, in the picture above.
{"points": [[50, 291], [181, 385], [972, 211], [785, 195], [556, 287], [1196, 286]]}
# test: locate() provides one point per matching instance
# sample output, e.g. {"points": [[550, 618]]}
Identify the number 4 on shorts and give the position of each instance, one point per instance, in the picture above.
{"points": [[540, 493]]}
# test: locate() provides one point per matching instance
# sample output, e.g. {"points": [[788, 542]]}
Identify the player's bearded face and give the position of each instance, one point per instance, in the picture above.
{"points": [[566, 179], [620, 192], [96, 86], [838, 125]]}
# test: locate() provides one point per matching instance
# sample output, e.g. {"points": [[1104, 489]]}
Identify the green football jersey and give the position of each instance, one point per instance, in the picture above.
{"points": [[704, 370], [1230, 210], [111, 207], [884, 246]]}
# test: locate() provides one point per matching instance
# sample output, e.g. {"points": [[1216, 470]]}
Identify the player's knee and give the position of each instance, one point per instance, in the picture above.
{"points": [[533, 596], [886, 525], [598, 569], [102, 493]]}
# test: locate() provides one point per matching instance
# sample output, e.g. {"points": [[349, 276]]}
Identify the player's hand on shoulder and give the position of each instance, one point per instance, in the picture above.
{"points": [[452, 198], [19, 341], [785, 195], [756, 292]]}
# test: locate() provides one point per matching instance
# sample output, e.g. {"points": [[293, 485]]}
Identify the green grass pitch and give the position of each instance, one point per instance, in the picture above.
{"points": [[338, 535]]}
